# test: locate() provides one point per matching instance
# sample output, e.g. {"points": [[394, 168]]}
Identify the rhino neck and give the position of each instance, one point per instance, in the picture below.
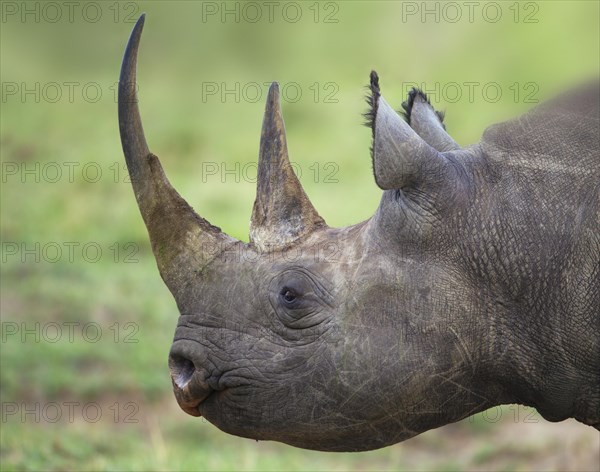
{"points": [[434, 328], [529, 243]]}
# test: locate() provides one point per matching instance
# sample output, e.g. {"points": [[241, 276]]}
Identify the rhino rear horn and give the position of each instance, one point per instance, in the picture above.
{"points": [[282, 212], [401, 158], [181, 240]]}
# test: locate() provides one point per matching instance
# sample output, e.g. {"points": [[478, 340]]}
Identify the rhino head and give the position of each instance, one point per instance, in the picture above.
{"points": [[342, 339]]}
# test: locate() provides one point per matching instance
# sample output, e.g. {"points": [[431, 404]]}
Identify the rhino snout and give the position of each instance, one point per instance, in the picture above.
{"points": [[189, 380]]}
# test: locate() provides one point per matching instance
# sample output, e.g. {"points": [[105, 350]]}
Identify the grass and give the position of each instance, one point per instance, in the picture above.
{"points": [[121, 292]]}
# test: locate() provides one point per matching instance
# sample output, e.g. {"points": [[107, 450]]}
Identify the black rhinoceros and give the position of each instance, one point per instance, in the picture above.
{"points": [[475, 283]]}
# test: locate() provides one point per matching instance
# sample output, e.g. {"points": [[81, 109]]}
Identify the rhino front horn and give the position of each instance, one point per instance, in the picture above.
{"points": [[282, 212], [182, 241]]}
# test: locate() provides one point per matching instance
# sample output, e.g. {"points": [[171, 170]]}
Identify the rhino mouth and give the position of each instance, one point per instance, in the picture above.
{"points": [[191, 396], [190, 384], [189, 406]]}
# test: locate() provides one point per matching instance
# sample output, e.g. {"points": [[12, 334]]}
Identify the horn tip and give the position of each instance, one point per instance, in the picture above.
{"points": [[130, 57], [140, 22], [273, 95], [136, 32], [273, 101]]}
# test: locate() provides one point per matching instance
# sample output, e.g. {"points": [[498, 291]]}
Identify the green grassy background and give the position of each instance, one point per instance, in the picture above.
{"points": [[179, 53]]}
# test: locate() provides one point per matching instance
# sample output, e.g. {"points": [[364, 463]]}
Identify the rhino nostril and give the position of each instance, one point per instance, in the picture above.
{"points": [[182, 370]]}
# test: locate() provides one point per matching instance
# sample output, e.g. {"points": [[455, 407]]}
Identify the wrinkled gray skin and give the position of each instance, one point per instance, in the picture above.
{"points": [[475, 283]]}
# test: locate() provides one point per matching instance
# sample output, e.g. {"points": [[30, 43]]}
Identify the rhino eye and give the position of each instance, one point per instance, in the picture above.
{"points": [[298, 298], [288, 296]]}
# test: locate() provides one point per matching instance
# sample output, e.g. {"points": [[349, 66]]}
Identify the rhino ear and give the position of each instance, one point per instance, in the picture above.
{"points": [[401, 158], [427, 122], [282, 212]]}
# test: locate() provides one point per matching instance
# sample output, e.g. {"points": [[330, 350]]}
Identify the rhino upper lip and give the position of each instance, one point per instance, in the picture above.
{"points": [[192, 389], [189, 399], [194, 379]]}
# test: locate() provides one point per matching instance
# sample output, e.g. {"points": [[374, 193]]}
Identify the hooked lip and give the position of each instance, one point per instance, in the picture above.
{"points": [[191, 395], [194, 379], [192, 387], [190, 384]]}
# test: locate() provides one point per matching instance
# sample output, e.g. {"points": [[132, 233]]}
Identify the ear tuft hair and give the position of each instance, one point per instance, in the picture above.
{"points": [[408, 105], [372, 99]]}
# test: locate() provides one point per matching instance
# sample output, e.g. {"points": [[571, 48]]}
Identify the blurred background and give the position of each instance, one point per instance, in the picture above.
{"points": [[86, 320]]}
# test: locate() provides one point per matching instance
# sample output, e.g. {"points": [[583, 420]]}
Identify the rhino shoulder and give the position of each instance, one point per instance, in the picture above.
{"points": [[564, 131]]}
